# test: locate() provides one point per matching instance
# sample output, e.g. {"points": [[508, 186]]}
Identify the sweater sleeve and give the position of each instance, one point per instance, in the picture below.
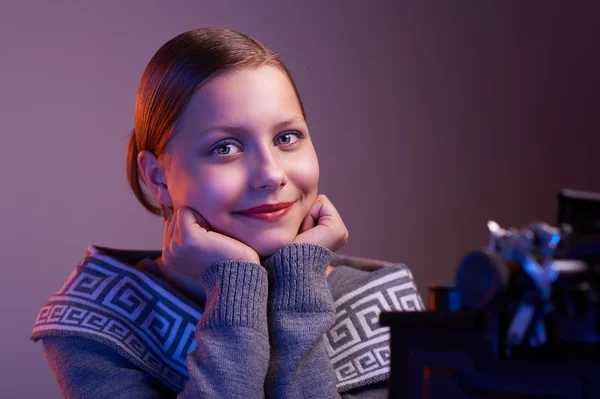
{"points": [[85, 368], [300, 312], [231, 358]]}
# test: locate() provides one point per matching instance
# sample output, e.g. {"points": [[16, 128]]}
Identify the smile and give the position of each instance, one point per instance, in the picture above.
{"points": [[267, 216]]}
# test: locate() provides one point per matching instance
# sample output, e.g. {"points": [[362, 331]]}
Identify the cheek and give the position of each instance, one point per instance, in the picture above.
{"points": [[209, 192], [305, 174]]}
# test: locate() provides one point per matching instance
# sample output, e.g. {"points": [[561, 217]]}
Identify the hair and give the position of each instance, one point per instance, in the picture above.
{"points": [[175, 72]]}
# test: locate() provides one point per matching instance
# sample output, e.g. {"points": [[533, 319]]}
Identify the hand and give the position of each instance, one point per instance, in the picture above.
{"points": [[189, 246], [323, 226]]}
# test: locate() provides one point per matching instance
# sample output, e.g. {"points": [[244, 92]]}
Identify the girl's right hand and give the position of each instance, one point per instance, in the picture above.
{"points": [[189, 246]]}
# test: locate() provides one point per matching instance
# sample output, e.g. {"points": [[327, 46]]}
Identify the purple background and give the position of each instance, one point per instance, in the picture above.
{"points": [[428, 121]]}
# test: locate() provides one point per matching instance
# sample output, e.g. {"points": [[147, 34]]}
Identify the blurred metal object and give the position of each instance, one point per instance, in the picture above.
{"points": [[482, 276], [519, 274], [528, 323]]}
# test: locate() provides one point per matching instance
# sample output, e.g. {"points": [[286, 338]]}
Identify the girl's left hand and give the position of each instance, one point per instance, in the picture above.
{"points": [[323, 226]]}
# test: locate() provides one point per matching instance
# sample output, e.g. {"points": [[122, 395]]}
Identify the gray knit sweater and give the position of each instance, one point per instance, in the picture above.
{"points": [[281, 330]]}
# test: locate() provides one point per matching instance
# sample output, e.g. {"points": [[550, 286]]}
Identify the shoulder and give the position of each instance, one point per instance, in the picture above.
{"points": [[110, 302], [105, 284], [355, 278], [362, 288], [87, 368]]}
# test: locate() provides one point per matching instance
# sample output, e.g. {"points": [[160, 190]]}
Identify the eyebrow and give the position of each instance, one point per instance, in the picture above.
{"points": [[277, 126]]}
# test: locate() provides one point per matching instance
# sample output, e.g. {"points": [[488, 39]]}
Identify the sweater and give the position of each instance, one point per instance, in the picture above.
{"points": [[282, 329]]}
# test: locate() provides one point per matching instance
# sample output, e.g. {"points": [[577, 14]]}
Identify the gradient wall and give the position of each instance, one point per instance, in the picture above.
{"points": [[428, 120]]}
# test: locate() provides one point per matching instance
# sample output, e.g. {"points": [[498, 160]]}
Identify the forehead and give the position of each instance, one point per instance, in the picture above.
{"points": [[253, 97]]}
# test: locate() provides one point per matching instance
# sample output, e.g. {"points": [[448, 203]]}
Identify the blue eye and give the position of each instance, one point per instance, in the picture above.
{"points": [[293, 138], [222, 148], [286, 139]]}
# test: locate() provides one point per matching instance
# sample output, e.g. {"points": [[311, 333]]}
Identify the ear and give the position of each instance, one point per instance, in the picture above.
{"points": [[153, 171]]}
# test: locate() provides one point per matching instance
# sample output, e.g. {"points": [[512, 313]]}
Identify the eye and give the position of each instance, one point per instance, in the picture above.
{"points": [[224, 148], [290, 139]]}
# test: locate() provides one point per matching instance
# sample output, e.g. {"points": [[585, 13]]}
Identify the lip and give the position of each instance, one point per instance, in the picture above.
{"points": [[268, 211]]}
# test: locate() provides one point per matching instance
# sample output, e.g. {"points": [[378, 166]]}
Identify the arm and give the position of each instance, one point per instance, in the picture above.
{"points": [[85, 368], [233, 343], [300, 312], [230, 361]]}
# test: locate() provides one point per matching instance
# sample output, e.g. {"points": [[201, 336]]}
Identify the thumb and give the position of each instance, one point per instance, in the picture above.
{"points": [[190, 216]]}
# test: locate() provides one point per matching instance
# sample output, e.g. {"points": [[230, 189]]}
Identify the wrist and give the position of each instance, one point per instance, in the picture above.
{"points": [[297, 278], [236, 295]]}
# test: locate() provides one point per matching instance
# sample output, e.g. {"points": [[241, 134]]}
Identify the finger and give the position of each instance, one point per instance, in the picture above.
{"points": [[326, 215], [200, 219], [321, 208], [169, 227], [307, 224], [190, 218], [176, 228], [329, 210]]}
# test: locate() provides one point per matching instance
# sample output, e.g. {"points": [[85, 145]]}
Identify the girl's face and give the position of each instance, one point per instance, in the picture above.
{"points": [[242, 142]]}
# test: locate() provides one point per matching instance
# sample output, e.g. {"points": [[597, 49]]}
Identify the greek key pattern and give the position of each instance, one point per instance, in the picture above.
{"points": [[127, 309], [140, 316], [356, 344]]}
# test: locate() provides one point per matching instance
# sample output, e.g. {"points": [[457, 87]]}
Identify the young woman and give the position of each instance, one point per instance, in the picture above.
{"points": [[247, 297]]}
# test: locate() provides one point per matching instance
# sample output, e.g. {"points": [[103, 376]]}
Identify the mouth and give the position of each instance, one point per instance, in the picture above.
{"points": [[267, 215]]}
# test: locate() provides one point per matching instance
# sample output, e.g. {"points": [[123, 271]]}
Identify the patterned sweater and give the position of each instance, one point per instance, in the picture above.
{"points": [[282, 330]]}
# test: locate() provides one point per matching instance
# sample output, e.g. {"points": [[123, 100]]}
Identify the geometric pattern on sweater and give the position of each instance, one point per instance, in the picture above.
{"points": [[357, 345], [127, 309], [153, 326]]}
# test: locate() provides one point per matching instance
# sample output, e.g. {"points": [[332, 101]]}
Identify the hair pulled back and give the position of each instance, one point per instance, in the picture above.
{"points": [[175, 72]]}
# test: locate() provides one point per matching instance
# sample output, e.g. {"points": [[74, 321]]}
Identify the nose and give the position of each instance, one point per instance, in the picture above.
{"points": [[267, 172]]}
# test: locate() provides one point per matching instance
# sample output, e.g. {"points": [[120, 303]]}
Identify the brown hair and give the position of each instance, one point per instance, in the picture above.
{"points": [[175, 72]]}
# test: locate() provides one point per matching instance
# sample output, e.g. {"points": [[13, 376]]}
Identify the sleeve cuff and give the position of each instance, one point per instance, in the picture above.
{"points": [[297, 278], [236, 295]]}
